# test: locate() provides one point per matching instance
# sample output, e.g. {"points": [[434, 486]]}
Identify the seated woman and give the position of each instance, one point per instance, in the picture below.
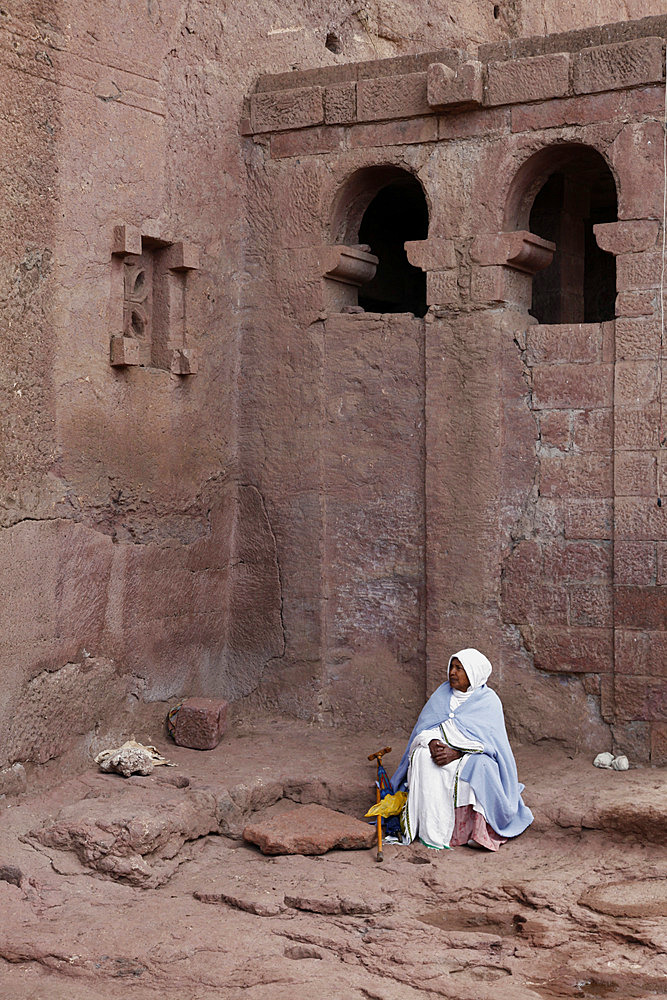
{"points": [[458, 768]]}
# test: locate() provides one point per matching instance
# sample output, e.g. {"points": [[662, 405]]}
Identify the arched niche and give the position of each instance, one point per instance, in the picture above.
{"points": [[379, 209], [560, 193]]}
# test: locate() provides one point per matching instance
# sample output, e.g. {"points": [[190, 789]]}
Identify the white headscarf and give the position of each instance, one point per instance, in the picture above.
{"points": [[477, 667]]}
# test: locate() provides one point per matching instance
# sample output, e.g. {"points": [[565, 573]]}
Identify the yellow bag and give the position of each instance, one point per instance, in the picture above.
{"points": [[390, 805]]}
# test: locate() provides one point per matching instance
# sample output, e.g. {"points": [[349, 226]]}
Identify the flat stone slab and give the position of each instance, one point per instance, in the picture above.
{"points": [[645, 897], [311, 829]]}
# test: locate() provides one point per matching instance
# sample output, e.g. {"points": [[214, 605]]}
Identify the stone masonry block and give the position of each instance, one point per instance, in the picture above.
{"points": [[584, 561], [570, 650], [340, 104], [592, 605], [641, 607], [640, 519], [126, 239], [462, 124], [635, 303], [607, 697], [633, 739], [635, 563], [124, 351], [637, 338], [533, 602], [635, 473], [181, 257], [659, 743], [576, 476], [637, 382], [442, 288], [555, 429], [397, 133], [592, 430], [564, 342], [500, 284], [201, 723], [635, 156], [644, 699], [640, 652], [614, 67], [567, 111], [636, 427], [662, 563], [392, 97], [638, 270], [627, 237], [533, 79], [451, 88], [306, 141], [286, 109], [572, 386], [589, 519]]}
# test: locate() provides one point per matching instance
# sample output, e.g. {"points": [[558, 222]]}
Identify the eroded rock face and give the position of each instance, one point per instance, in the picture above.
{"points": [[312, 829], [138, 839]]}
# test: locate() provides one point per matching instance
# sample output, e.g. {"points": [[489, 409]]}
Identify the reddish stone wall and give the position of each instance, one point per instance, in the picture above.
{"points": [[541, 486], [165, 533]]}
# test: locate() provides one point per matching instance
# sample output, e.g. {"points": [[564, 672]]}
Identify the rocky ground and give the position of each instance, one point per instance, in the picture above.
{"points": [[141, 887]]}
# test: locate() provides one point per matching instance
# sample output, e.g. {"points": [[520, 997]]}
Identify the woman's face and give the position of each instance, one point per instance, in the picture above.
{"points": [[458, 678]]}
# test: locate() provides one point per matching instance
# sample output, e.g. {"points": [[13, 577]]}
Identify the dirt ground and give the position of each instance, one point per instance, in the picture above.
{"points": [[113, 887]]}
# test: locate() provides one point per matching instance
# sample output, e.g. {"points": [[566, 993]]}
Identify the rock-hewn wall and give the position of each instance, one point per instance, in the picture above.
{"points": [[544, 524], [141, 554]]}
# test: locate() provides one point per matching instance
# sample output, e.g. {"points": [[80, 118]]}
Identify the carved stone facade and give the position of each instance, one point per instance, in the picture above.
{"points": [[534, 474], [386, 452]]}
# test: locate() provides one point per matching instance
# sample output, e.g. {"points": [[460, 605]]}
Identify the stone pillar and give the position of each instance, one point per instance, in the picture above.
{"points": [[636, 698], [477, 308]]}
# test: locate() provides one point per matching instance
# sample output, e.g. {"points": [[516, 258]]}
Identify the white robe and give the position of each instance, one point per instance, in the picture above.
{"points": [[434, 791]]}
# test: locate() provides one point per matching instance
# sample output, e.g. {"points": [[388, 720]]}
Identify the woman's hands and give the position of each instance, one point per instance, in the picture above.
{"points": [[442, 754]]}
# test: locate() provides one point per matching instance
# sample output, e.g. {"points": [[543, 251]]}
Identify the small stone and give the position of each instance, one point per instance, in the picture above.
{"points": [[603, 760], [299, 951], [620, 763], [11, 874], [129, 760], [250, 900], [311, 829], [13, 780], [200, 723]]}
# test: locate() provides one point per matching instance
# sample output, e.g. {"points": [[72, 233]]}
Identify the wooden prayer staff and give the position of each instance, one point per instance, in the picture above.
{"points": [[378, 757]]}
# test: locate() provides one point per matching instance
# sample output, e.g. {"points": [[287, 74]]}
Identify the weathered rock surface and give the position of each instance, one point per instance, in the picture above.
{"points": [[137, 838], [312, 829], [645, 897], [559, 907]]}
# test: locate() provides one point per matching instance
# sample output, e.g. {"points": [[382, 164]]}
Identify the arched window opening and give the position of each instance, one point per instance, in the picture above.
{"points": [[382, 207], [397, 213], [580, 284]]}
